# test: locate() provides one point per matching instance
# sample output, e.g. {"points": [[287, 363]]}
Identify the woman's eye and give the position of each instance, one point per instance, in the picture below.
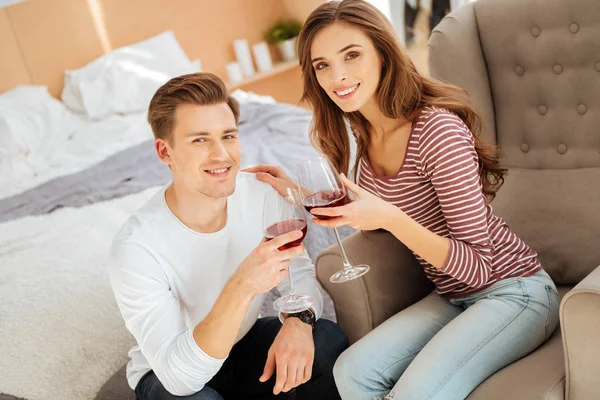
{"points": [[351, 56], [320, 66]]}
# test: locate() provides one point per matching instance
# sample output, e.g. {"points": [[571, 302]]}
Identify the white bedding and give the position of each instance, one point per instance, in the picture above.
{"points": [[88, 145], [62, 334]]}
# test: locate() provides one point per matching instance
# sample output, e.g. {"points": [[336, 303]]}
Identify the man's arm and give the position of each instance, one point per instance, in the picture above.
{"points": [[261, 271], [153, 315], [292, 354], [185, 359]]}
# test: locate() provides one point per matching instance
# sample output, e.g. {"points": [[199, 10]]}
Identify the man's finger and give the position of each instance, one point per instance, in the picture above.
{"points": [[299, 376], [291, 381], [284, 272], [269, 368], [290, 253], [307, 372], [281, 377], [286, 238]]}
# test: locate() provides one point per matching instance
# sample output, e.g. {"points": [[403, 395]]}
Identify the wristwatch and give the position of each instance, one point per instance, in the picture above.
{"points": [[306, 316]]}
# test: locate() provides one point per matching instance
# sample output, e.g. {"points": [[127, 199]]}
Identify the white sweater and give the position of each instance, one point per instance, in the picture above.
{"points": [[167, 277]]}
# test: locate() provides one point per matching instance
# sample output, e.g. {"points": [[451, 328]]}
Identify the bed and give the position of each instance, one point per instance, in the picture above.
{"points": [[71, 172]]}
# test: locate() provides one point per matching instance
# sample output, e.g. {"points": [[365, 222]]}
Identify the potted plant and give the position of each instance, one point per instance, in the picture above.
{"points": [[284, 34]]}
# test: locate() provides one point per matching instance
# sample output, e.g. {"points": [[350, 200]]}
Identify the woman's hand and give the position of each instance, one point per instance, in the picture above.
{"points": [[367, 212], [274, 176]]}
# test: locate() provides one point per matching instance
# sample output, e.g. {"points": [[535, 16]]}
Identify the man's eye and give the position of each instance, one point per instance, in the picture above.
{"points": [[229, 137], [199, 140]]}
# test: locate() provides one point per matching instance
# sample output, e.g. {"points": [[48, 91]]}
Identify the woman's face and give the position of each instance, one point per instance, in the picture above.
{"points": [[346, 64]]}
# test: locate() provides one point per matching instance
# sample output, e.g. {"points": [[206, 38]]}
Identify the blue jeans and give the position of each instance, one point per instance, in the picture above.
{"points": [[444, 348], [238, 377]]}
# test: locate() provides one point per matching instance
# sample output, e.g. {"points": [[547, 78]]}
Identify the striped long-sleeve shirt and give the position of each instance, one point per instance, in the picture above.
{"points": [[438, 185]]}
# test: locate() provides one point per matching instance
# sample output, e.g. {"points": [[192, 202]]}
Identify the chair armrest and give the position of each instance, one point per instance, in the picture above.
{"points": [[456, 55], [395, 281], [580, 324]]}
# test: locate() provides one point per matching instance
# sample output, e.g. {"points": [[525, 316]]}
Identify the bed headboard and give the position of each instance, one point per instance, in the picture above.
{"points": [[40, 39]]}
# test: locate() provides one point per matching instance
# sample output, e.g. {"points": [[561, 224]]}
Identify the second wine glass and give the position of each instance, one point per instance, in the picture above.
{"points": [[320, 185], [282, 215]]}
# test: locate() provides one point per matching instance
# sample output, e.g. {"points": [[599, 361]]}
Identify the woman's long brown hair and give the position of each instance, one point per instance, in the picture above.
{"points": [[402, 92]]}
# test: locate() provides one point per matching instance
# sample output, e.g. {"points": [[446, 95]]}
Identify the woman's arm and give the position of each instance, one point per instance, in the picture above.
{"points": [[447, 156]]}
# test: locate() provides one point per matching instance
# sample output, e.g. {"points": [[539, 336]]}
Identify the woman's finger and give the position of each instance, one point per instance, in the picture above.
{"points": [[269, 169], [331, 223], [330, 211], [357, 190]]}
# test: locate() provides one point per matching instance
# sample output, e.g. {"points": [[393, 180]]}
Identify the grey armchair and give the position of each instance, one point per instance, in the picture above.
{"points": [[533, 70]]}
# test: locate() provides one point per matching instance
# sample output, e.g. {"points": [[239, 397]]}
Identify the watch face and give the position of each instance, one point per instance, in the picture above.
{"points": [[306, 316]]}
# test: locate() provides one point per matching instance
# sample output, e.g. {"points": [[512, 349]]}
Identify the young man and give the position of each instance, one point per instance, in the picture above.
{"points": [[191, 268]]}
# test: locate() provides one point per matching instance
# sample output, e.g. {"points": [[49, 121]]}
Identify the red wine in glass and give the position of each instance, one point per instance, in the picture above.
{"points": [[280, 216], [325, 199], [320, 185], [283, 227]]}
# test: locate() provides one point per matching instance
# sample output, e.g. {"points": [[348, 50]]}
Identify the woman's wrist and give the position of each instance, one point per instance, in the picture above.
{"points": [[393, 217]]}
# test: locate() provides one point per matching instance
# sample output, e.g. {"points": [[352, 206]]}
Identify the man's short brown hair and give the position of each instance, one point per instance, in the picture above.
{"points": [[199, 88]]}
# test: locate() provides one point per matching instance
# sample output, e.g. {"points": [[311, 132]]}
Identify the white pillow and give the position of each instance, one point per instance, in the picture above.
{"points": [[124, 80], [30, 116], [31, 122]]}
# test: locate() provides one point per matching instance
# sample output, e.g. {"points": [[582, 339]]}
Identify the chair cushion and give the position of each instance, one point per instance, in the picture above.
{"points": [[543, 69], [535, 77], [556, 213], [116, 388], [540, 375]]}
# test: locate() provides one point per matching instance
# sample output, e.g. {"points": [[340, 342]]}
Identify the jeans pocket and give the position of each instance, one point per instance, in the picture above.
{"points": [[553, 304]]}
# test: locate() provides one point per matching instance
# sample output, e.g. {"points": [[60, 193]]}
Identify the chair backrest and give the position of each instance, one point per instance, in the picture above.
{"points": [[532, 68]]}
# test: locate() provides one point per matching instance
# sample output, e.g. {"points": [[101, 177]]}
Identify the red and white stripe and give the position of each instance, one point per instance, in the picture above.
{"points": [[438, 186]]}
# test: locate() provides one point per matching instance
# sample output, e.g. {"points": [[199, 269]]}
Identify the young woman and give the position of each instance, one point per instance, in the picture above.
{"points": [[425, 175]]}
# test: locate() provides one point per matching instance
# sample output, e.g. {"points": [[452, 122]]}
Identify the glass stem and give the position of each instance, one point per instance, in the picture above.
{"points": [[292, 290], [344, 257]]}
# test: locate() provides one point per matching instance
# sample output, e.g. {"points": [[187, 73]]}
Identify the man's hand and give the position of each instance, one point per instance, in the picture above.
{"points": [[266, 266], [292, 354]]}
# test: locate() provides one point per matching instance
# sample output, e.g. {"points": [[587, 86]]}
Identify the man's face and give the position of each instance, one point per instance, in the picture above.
{"points": [[204, 152]]}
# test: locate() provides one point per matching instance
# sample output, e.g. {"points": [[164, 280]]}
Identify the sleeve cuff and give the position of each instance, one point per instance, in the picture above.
{"points": [[449, 265], [197, 356]]}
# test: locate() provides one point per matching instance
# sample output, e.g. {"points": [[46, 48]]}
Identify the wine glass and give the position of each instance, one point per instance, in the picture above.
{"points": [[282, 215], [320, 185]]}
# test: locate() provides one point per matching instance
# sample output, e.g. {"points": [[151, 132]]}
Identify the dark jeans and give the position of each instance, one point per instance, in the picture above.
{"points": [[238, 377]]}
